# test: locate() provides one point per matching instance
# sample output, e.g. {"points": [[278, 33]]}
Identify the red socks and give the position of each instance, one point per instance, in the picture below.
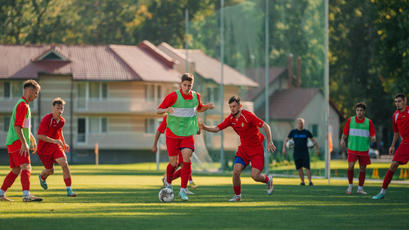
{"points": [[350, 174], [186, 171], [237, 190], [361, 178], [8, 181], [169, 172], [67, 181], [25, 179], [266, 179], [176, 174], [387, 179]]}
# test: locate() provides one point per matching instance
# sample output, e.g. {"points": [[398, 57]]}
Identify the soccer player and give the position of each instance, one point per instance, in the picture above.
{"points": [[301, 154], [400, 122], [18, 141], [161, 129], [360, 131], [251, 148], [182, 107], [51, 145]]}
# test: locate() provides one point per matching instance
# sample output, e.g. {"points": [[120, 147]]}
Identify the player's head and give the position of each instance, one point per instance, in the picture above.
{"points": [[31, 90], [400, 101], [58, 106], [187, 82], [300, 123], [360, 109], [234, 104]]}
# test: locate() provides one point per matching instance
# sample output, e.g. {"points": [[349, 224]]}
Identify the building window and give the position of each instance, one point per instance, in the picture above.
{"points": [[153, 92], [12, 89], [314, 130], [212, 94], [149, 125], [104, 90], [104, 125], [7, 89], [6, 124], [98, 125], [94, 90], [82, 130]]}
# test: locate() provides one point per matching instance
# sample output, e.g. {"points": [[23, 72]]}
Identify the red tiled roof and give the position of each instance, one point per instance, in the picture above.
{"points": [[258, 75], [114, 63], [289, 103]]}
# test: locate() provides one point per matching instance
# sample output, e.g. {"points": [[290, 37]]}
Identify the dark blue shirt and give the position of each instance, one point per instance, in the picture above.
{"points": [[300, 138]]}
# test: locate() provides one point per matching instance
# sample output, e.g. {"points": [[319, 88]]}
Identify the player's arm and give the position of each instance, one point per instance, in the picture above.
{"points": [[168, 110], [342, 142], [213, 129], [33, 142], [394, 140], [50, 140], [206, 107], [24, 146], [317, 148], [155, 141], [372, 132], [285, 145], [66, 147], [267, 131], [345, 133]]}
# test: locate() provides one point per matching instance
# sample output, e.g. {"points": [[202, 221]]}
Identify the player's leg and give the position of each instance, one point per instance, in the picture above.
{"points": [[186, 170], [299, 167], [8, 182], [363, 162], [350, 171], [308, 170], [62, 161], [239, 165], [173, 146], [25, 183], [176, 174], [48, 170], [192, 184], [257, 166]]}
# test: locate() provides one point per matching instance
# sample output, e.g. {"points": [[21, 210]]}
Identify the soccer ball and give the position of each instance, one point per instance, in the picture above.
{"points": [[310, 144], [166, 195], [290, 144]]}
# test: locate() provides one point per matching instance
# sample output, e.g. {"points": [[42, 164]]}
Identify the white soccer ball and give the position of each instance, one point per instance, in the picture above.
{"points": [[290, 144], [310, 144], [166, 195]]}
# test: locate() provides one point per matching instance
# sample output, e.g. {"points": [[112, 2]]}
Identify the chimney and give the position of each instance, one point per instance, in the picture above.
{"points": [[290, 70], [298, 77]]}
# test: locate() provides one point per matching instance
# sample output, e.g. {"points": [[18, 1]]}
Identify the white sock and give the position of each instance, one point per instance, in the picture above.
{"points": [[350, 186], [238, 195], [360, 188], [68, 187], [2, 193], [26, 192], [383, 191], [182, 189]]}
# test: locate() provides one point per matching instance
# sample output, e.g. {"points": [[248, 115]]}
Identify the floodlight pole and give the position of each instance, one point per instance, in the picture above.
{"points": [[266, 91], [221, 82], [326, 83], [186, 40]]}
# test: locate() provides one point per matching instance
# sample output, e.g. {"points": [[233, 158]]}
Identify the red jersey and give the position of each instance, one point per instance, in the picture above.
{"points": [[52, 129], [163, 125], [21, 113], [400, 124], [246, 126], [171, 100], [371, 132]]}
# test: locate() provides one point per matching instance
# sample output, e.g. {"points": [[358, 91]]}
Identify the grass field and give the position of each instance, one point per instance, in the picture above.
{"points": [[126, 197]]}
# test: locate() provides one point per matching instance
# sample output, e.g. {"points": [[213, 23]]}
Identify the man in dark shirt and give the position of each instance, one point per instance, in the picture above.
{"points": [[301, 155]]}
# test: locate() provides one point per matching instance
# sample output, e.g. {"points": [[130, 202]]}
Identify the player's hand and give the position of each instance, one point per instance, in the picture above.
{"points": [[284, 151], [373, 139], [34, 146], [342, 143], [170, 110], [317, 152], [271, 147], [154, 148], [24, 149], [210, 106], [391, 150], [59, 142], [66, 148]]}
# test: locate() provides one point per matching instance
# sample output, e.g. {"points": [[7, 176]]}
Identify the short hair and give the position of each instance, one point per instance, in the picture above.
{"points": [[58, 101], [187, 77], [234, 99], [401, 95], [360, 105], [301, 119], [31, 83]]}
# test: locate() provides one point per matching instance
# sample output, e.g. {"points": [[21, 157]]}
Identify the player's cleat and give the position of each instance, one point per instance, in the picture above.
{"points": [[31, 198], [164, 182], [311, 184], [361, 191], [70, 193], [349, 190], [43, 183], [302, 184], [188, 192], [236, 198], [270, 186], [378, 197], [193, 185], [4, 198], [183, 196]]}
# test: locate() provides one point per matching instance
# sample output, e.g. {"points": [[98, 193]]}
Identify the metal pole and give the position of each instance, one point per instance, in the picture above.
{"points": [[266, 91], [186, 40], [326, 83], [221, 82]]}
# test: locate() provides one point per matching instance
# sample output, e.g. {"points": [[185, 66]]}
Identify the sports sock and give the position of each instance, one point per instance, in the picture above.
{"points": [[43, 178], [176, 174], [387, 179], [8, 181], [186, 170], [361, 178], [383, 191], [67, 181], [266, 179], [2, 192], [190, 178], [169, 172], [26, 192], [25, 180], [237, 190], [350, 174]]}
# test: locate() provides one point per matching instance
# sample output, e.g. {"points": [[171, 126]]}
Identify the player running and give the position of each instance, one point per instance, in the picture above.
{"points": [[251, 149], [360, 131], [51, 145], [400, 123], [182, 107], [161, 129], [18, 141]]}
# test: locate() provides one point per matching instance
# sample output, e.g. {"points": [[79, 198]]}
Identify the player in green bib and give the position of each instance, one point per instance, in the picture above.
{"points": [[18, 143], [360, 132]]}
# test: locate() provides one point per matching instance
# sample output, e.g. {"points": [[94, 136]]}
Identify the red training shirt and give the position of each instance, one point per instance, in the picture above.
{"points": [[171, 100], [52, 129], [246, 126], [400, 124], [21, 113], [371, 133], [163, 124]]}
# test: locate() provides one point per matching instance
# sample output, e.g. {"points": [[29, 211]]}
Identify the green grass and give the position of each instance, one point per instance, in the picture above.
{"points": [[126, 197]]}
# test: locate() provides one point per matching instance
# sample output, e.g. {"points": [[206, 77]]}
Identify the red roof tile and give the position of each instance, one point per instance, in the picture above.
{"points": [[258, 75]]}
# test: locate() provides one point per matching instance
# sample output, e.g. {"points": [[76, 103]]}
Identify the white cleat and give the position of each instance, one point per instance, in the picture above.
{"points": [[188, 192], [236, 198], [361, 191], [270, 186], [349, 190]]}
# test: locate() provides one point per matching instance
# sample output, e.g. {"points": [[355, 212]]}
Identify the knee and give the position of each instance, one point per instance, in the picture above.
{"points": [[394, 166], [254, 176], [16, 170], [50, 171], [236, 172], [63, 165], [26, 167]]}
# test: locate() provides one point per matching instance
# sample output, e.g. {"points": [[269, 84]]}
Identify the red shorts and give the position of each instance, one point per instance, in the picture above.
{"points": [[16, 159], [175, 145], [363, 159], [48, 160], [255, 156], [402, 154]]}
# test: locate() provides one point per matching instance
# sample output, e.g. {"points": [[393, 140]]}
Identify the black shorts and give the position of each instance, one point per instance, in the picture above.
{"points": [[302, 162]]}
